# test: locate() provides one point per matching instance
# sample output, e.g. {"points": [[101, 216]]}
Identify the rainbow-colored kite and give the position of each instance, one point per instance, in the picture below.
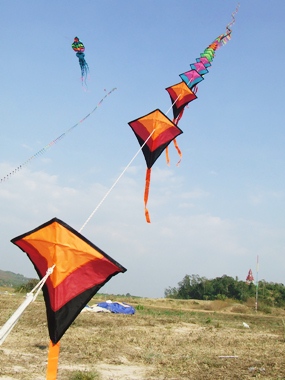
{"points": [[155, 131]]}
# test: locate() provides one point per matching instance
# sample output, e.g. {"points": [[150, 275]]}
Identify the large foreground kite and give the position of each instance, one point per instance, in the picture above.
{"points": [[155, 131], [80, 269]]}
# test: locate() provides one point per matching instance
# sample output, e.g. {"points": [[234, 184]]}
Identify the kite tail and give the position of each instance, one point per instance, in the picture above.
{"points": [[226, 37], [52, 364], [146, 193], [176, 121], [167, 156], [178, 151], [84, 66], [228, 34], [228, 27]]}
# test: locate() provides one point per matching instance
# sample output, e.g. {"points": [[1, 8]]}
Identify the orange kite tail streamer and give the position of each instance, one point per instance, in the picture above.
{"points": [[178, 151], [52, 364], [167, 156], [146, 192]]}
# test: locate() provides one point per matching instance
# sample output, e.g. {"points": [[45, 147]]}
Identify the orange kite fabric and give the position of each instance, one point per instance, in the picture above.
{"points": [[154, 132], [180, 95], [81, 269]]}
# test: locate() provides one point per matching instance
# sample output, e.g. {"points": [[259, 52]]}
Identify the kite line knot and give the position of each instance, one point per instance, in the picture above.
{"points": [[41, 283]]}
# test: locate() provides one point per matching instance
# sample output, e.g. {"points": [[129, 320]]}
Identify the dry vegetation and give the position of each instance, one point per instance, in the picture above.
{"points": [[165, 339]]}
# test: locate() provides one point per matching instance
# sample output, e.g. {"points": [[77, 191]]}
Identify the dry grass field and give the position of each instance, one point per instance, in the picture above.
{"points": [[165, 339]]}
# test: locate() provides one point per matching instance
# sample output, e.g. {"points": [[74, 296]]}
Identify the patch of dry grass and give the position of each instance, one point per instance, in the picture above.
{"points": [[165, 339]]}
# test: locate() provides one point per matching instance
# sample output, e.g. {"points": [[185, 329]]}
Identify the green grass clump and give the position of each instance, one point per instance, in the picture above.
{"points": [[83, 375]]}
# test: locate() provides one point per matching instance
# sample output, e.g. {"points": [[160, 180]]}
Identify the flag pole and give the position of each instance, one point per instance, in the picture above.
{"points": [[256, 285]]}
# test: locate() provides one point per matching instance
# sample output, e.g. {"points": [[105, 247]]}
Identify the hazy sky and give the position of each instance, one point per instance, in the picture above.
{"points": [[212, 215]]}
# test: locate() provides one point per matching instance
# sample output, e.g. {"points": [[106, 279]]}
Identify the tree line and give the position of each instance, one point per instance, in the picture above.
{"points": [[200, 288]]}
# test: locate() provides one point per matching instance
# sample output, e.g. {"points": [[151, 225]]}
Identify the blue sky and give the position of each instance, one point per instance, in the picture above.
{"points": [[212, 215]]}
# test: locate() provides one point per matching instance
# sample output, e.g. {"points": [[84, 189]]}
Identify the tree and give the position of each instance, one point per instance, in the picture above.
{"points": [[196, 287]]}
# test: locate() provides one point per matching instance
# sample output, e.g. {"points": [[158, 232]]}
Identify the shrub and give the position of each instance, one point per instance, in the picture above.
{"points": [[27, 287]]}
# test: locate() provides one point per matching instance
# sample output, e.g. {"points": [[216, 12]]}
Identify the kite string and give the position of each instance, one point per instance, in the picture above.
{"points": [[53, 142], [30, 297], [117, 180], [170, 108], [41, 283], [123, 172], [115, 183]]}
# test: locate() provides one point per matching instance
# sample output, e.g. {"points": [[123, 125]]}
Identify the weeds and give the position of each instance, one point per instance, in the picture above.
{"points": [[283, 323], [165, 339], [82, 375]]}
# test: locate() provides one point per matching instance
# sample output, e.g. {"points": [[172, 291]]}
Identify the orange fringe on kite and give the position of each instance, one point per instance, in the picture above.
{"points": [[178, 151], [175, 143], [146, 192], [52, 364], [167, 156]]}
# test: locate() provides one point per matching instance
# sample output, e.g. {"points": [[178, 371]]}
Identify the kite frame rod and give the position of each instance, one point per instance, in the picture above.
{"points": [[30, 297], [115, 183]]}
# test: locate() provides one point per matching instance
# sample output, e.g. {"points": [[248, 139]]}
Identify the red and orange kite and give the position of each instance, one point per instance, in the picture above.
{"points": [[154, 132], [80, 270]]}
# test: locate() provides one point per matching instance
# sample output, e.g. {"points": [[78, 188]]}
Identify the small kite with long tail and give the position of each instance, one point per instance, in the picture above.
{"points": [[78, 46]]}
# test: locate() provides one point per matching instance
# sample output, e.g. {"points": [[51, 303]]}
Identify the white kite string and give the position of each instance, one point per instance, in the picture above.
{"points": [[53, 142], [115, 183], [123, 172], [133, 158], [30, 297]]}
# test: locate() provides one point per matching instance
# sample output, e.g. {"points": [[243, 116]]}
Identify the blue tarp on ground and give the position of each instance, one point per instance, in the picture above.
{"points": [[117, 307]]}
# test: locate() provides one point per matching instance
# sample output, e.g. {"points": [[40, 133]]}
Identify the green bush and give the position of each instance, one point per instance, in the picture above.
{"points": [[264, 308], [27, 287]]}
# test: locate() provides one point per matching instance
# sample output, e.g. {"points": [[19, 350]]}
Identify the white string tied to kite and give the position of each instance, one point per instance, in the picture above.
{"points": [[115, 183], [123, 172], [30, 297]]}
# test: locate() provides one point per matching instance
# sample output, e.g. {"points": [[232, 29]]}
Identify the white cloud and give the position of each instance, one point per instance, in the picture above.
{"points": [[157, 255]]}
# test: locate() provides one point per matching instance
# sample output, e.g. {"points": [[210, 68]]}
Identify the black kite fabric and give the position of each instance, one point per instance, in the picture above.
{"points": [[81, 269]]}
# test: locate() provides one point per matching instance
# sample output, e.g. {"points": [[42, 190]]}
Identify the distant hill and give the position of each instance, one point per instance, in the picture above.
{"points": [[11, 279]]}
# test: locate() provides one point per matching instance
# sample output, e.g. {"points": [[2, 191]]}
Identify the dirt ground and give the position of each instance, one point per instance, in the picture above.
{"points": [[163, 340]]}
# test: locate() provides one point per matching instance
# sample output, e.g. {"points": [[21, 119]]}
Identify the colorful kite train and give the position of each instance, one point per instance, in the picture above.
{"points": [[155, 131], [78, 46], [80, 269]]}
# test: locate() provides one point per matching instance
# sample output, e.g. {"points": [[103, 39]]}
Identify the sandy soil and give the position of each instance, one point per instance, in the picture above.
{"points": [[162, 343]]}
